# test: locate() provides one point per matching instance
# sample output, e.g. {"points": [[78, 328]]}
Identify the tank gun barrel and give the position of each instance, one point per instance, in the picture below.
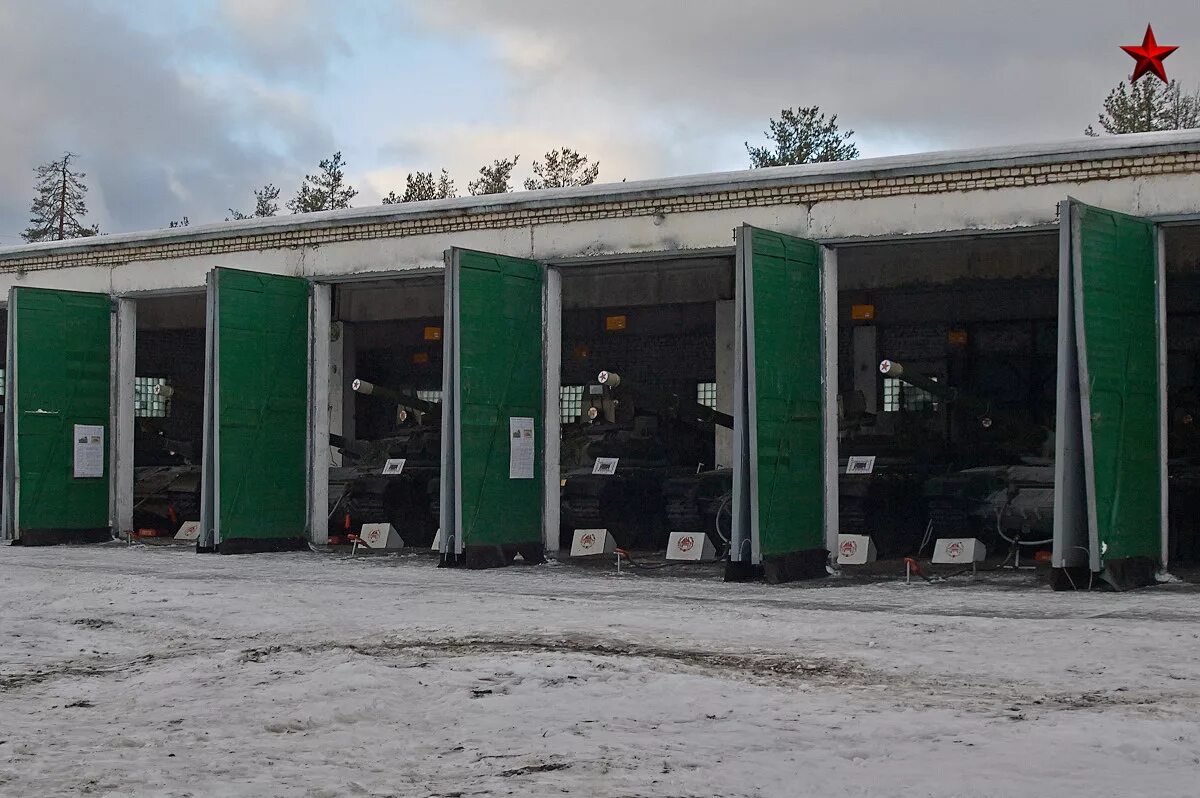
{"points": [[399, 398], [890, 368], [686, 408]]}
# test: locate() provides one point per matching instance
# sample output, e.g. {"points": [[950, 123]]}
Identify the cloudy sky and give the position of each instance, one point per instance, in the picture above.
{"points": [[181, 107]]}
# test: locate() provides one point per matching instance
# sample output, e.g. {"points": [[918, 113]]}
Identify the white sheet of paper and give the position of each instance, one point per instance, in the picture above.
{"points": [[89, 452], [520, 448]]}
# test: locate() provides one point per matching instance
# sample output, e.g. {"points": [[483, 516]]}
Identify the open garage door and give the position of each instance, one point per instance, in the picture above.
{"points": [[785, 472], [492, 493], [56, 464], [1110, 513], [255, 472]]}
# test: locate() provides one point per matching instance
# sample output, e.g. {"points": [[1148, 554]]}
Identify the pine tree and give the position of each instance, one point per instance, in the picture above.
{"points": [[494, 179], [325, 191], [264, 204], [59, 207], [419, 186], [1146, 106], [562, 168], [803, 135]]}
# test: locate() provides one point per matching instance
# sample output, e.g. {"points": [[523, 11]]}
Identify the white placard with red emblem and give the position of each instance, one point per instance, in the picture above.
{"points": [[693, 546], [189, 531], [855, 550], [588, 542], [380, 536], [953, 551]]}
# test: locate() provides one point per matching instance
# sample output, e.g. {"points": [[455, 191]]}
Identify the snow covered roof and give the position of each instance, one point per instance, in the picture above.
{"points": [[1124, 146]]}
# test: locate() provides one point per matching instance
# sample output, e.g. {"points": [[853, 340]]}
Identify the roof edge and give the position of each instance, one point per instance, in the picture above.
{"points": [[1064, 151]]}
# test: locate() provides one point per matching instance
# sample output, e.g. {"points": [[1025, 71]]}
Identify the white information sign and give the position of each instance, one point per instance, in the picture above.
{"points": [[89, 452], [605, 466], [860, 465], [520, 448], [189, 531], [393, 466]]}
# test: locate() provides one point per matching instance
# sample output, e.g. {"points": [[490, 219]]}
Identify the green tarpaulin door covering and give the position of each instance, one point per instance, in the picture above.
{"points": [[57, 417], [493, 370], [255, 483], [784, 476], [1110, 511]]}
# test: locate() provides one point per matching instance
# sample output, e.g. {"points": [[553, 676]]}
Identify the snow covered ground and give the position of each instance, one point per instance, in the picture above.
{"points": [[153, 671]]}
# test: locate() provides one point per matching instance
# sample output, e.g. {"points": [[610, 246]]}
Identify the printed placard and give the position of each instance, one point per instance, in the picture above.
{"points": [[393, 467], [860, 465], [89, 452], [605, 466], [520, 448]]}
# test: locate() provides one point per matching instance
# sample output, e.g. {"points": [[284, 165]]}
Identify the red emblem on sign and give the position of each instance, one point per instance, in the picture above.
{"points": [[587, 541], [954, 550], [686, 543], [849, 548], [1149, 56]]}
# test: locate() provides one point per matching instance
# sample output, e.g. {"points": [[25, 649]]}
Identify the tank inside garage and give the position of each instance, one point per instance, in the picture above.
{"points": [[168, 412], [1182, 247], [646, 396], [385, 407], [947, 379]]}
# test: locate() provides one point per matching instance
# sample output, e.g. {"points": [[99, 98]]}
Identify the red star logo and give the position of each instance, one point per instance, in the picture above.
{"points": [[1149, 56]]}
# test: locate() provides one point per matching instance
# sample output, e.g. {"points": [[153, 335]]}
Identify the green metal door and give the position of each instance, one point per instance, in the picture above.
{"points": [[256, 419], [493, 495], [784, 487], [56, 469], [1118, 325]]}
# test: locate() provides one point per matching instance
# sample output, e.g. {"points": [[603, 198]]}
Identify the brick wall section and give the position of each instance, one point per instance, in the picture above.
{"points": [[942, 182]]}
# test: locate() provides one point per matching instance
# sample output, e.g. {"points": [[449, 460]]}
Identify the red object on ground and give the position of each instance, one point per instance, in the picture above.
{"points": [[1042, 556]]}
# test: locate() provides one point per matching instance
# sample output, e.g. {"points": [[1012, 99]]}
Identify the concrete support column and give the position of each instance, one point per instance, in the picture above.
{"points": [[829, 380], [725, 319], [318, 413], [124, 368], [552, 435]]}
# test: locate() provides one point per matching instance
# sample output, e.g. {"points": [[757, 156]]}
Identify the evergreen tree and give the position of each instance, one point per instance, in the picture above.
{"points": [[564, 167], [59, 207], [1146, 106], [327, 190], [264, 204], [803, 135], [419, 186], [494, 179]]}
